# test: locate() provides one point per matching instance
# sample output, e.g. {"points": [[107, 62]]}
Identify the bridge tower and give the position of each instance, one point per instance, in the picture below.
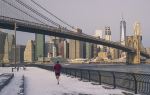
{"points": [[135, 42]]}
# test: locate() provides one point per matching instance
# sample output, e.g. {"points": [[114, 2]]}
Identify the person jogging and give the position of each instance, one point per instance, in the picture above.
{"points": [[57, 70]]}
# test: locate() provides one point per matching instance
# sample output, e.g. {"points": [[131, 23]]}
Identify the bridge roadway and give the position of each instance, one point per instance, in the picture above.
{"points": [[31, 27]]}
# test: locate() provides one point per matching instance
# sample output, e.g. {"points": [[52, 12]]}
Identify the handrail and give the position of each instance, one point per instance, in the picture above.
{"points": [[124, 80]]}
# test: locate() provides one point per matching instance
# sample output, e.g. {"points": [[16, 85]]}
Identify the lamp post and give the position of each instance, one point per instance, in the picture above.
{"points": [[15, 26]]}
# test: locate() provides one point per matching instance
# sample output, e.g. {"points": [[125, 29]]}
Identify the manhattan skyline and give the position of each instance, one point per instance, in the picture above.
{"points": [[96, 14]]}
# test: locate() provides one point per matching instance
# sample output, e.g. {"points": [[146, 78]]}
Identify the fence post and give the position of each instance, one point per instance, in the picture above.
{"points": [[62, 70], [12, 69], [89, 75], [70, 71], [114, 80], [75, 72], [65, 71], [99, 75], [81, 73], [135, 84], [52, 68]]}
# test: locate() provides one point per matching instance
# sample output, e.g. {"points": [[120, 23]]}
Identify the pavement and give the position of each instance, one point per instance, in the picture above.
{"points": [[43, 82]]}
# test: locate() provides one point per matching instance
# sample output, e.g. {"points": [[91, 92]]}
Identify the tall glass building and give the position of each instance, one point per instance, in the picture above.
{"points": [[122, 31], [89, 50], [122, 36], [39, 46]]}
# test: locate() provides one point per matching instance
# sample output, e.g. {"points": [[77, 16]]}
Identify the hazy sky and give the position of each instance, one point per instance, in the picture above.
{"points": [[90, 15]]}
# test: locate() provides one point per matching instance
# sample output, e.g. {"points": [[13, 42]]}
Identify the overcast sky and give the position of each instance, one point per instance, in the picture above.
{"points": [[90, 15]]}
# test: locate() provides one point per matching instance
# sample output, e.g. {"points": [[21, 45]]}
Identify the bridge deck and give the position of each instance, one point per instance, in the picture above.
{"points": [[28, 26]]}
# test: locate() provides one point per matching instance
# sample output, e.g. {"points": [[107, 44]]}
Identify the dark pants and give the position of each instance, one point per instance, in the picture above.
{"points": [[57, 74]]}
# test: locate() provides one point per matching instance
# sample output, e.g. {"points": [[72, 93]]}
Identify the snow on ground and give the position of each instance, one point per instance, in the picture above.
{"points": [[5, 70], [13, 87], [43, 82]]}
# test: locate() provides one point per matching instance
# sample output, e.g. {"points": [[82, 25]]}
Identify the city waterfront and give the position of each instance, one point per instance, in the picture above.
{"points": [[102, 42]]}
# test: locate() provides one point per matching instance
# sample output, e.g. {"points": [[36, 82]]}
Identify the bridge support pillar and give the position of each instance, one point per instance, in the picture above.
{"points": [[135, 42], [133, 58]]}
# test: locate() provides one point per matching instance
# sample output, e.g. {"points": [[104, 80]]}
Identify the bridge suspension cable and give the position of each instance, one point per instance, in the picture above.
{"points": [[53, 14], [38, 13], [22, 11]]}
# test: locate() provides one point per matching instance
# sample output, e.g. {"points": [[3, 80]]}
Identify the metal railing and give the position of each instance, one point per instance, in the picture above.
{"points": [[137, 83]]}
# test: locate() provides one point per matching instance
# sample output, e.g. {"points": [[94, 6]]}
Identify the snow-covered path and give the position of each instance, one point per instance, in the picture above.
{"points": [[13, 87], [42, 82]]}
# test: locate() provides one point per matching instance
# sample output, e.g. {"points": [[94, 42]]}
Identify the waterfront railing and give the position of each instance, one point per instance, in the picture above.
{"points": [[137, 83]]}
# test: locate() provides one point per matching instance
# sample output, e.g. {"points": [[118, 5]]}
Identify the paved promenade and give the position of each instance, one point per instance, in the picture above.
{"points": [[42, 82]]}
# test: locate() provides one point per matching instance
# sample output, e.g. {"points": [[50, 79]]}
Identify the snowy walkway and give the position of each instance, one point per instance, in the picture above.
{"points": [[43, 82], [13, 87]]}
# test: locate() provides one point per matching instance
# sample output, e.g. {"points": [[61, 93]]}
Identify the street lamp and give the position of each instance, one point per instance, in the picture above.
{"points": [[15, 27], [15, 43]]}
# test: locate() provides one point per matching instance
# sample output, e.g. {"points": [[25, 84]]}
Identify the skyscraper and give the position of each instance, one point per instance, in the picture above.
{"points": [[2, 44], [39, 46], [58, 48], [122, 35], [61, 47], [20, 53], [107, 33], [89, 50], [66, 49], [49, 49], [9, 48], [108, 37], [29, 52], [99, 34], [94, 51], [122, 31], [76, 47]]}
